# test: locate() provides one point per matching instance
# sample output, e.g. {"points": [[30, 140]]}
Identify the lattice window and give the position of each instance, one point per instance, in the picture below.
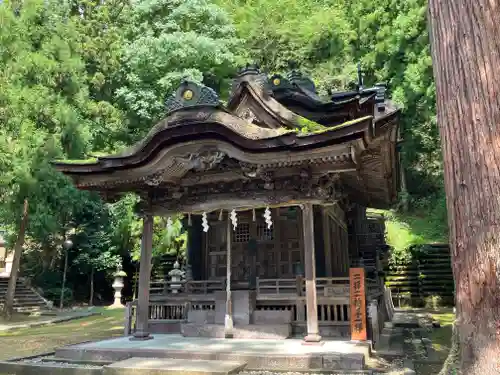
{"points": [[242, 233], [263, 233]]}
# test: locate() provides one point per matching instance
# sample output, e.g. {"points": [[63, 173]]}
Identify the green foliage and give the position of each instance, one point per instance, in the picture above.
{"points": [[171, 40], [389, 38], [84, 78], [425, 223], [54, 295], [47, 112]]}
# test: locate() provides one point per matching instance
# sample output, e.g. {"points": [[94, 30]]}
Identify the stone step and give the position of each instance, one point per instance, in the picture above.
{"points": [[26, 309], [47, 368], [384, 341], [161, 366], [288, 355], [392, 335], [28, 298], [395, 331], [25, 302], [19, 293], [28, 305], [76, 362]]}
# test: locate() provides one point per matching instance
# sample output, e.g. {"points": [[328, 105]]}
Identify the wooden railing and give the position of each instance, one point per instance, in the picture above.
{"points": [[277, 287], [163, 287], [332, 286], [325, 287], [168, 310], [272, 288], [333, 311], [205, 286], [130, 317], [279, 295], [329, 310]]}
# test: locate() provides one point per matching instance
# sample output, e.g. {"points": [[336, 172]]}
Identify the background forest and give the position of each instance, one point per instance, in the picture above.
{"points": [[82, 78]]}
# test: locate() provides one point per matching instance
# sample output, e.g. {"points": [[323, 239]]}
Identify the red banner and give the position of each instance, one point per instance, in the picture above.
{"points": [[358, 304]]}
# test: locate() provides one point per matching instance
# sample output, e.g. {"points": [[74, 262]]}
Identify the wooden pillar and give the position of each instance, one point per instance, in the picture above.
{"points": [[310, 274], [187, 260], [327, 243], [228, 320], [142, 331]]}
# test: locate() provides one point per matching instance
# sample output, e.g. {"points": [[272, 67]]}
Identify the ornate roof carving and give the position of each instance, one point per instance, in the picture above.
{"points": [[191, 94], [292, 99], [305, 83]]}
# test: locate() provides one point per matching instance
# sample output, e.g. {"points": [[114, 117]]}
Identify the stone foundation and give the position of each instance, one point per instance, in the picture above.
{"points": [[251, 331], [287, 355], [327, 331], [160, 366], [201, 316], [165, 326], [272, 317]]}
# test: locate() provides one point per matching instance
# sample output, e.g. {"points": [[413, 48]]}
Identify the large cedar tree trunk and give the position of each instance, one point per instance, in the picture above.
{"points": [[465, 41], [18, 250]]}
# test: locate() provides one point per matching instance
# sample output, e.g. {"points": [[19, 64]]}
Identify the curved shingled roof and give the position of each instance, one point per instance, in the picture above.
{"points": [[257, 127]]}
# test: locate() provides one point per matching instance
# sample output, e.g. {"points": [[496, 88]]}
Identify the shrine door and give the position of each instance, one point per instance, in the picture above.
{"points": [[278, 248]]}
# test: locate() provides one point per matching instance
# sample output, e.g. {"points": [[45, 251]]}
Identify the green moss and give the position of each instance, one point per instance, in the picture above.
{"points": [[75, 161], [98, 154], [310, 127], [307, 126]]}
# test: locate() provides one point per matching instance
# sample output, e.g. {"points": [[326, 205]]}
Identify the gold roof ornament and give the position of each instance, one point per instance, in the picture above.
{"points": [[187, 95]]}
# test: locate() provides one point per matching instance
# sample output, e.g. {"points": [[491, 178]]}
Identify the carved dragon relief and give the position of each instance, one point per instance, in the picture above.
{"points": [[202, 161]]}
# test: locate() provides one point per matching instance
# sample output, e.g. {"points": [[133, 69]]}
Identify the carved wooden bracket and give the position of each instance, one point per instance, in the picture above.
{"points": [[265, 188], [202, 161]]}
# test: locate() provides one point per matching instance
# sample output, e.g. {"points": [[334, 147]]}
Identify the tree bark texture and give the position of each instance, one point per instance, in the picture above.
{"points": [[465, 42], [65, 271], [91, 298], [18, 250]]}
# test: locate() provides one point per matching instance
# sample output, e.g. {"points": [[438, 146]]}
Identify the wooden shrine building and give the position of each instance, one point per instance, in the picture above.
{"points": [[274, 188]]}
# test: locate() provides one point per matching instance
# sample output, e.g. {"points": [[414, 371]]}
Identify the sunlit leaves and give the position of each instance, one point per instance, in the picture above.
{"points": [[172, 40], [328, 38]]}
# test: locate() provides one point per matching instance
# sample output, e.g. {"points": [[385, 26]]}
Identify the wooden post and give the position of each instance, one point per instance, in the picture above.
{"points": [[228, 321], [327, 243], [187, 259], [142, 331], [310, 275], [127, 327], [299, 304]]}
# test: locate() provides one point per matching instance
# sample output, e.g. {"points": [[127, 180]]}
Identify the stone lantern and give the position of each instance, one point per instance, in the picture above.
{"points": [[118, 286], [176, 276]]}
